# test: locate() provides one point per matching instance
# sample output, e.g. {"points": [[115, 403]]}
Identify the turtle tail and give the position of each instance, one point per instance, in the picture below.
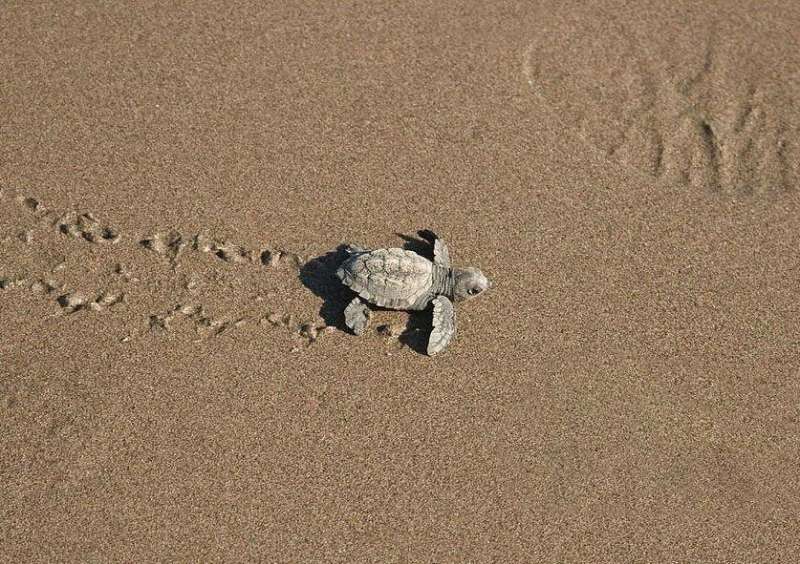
{"points": [[355, 249]]}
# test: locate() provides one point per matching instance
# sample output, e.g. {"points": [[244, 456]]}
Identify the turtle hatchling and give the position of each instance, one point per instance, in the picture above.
{"points": [[403, 279]]}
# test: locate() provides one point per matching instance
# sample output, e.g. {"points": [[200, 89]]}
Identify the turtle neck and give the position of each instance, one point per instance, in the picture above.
{"points": [[443, 281]]}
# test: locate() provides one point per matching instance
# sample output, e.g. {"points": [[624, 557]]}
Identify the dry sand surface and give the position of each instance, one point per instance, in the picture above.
{"points": [[174, 381]]}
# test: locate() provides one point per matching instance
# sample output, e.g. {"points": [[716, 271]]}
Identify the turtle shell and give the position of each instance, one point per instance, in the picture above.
{"points": [[392, 278]]}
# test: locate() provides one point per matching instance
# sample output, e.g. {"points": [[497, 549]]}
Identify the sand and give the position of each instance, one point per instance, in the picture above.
{"points": [[175, 381]]}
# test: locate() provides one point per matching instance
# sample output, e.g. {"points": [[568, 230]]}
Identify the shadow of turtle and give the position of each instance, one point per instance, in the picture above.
{"points": [[418, 330], [422, 246], [319, 276]]}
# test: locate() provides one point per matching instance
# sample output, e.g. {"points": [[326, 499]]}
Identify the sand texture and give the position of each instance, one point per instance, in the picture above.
{"points": [[176, 184]]}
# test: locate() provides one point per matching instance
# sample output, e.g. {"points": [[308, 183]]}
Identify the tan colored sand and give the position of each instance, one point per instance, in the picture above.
{"points": [[628, 391]]}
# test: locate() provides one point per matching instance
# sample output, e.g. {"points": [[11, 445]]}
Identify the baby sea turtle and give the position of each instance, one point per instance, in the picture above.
{"points": [[402, 279]]}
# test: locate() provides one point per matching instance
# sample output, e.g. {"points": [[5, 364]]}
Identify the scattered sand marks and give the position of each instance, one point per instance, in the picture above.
{"points": [[689, 117], [210, 285]]}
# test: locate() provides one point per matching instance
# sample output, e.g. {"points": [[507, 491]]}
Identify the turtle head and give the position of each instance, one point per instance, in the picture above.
{"points": [[468, 283]]}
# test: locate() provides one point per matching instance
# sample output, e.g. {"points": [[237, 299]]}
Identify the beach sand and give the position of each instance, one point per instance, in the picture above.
{"points": [[175, 384]]}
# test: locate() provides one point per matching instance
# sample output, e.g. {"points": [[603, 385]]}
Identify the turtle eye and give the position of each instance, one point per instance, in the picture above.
{"points": [[473, 291]]}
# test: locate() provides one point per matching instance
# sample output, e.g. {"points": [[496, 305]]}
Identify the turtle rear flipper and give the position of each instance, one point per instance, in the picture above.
{"points": [[444, 325], [356, 316]]}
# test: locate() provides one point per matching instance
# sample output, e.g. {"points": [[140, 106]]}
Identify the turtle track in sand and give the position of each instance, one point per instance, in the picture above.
{"points": [[695, 110], [83, 267]]}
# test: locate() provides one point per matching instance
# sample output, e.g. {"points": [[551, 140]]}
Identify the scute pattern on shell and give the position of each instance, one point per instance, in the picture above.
{"points": [[395, 278]]}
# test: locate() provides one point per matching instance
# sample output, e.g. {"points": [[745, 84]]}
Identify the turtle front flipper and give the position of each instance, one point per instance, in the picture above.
{"points": [[356, 316], [441, 255], [444, 325]]}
